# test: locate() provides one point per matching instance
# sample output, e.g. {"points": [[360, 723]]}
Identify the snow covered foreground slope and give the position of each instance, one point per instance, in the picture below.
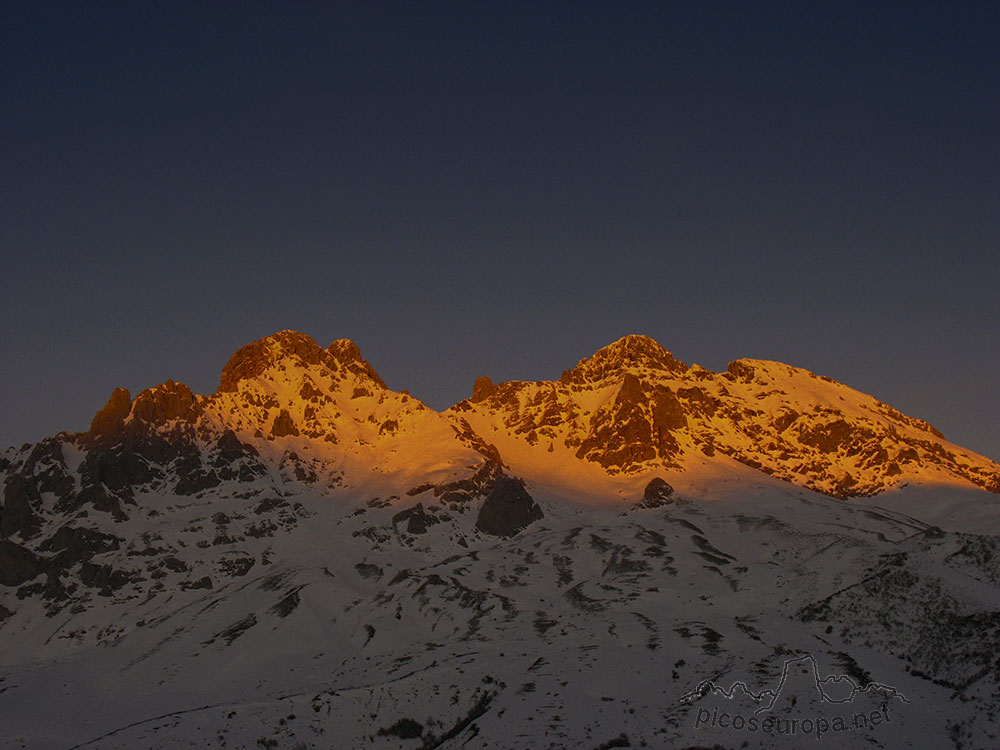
{"points": [[309, 559]]}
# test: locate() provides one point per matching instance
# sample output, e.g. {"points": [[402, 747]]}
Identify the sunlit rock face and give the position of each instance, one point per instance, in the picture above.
{"points": [[632, 408]]}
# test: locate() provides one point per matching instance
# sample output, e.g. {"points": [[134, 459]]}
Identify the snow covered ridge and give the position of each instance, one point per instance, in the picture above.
{"points": [[291, 411], [632, 408]]}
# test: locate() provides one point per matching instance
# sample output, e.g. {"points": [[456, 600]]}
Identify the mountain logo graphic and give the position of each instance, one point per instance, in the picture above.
{"points": [[800, 677]]}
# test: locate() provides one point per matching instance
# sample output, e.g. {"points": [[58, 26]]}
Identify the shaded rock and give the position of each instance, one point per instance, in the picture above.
{"points": [[177, 566], [288, 604], [417, 519], [657, 493], [482, 389], [368, 570], [192, 475], [103, 577], [283, 425], [477, 485], [17, 564], [237, 566], [99, 499], [230, 449], [47, 465], [76, 544], [165, 402], [508, 509], [107, 422], [21, 502], [116, 469]]}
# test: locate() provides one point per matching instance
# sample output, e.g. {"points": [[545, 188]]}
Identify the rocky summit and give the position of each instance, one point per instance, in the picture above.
{"points": [[307, 558]]}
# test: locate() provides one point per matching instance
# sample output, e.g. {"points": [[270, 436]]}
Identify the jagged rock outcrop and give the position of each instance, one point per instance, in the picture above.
{"points": [[508, 509], [347, 353], [482, 389], [166, 402], [417, 519], [656, 494], [17, 564], [283, 425], [256, 357], [21, 502], [107, 423], [632, 407]]}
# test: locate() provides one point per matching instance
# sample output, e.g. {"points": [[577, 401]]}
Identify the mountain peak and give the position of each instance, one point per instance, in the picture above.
{"points": [[347, 353], [627, 353], [257, 357]]}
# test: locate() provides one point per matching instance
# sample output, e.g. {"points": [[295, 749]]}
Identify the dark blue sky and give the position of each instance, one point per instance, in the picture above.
{"points": [[501, 189]]}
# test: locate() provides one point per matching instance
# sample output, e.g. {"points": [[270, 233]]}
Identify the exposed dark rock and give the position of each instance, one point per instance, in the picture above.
{"points": [[165, 402], [368, 570], [310, 392], [283, 425], [741, 370], [237, 567], [288, 604], [235, 630], [270, 503], [348, 354], [202, 583], [636, 429], [508, 509], [230, 449], [96, 496], [78, 544], [21, 502], [17, 564], [477, 485], [471, 438], [829, 437], [107, 422], [657, 493], [177, 566], [103, 577], [667, 411], [630, 352], [417, 519], [256, 358], [193, 477], [116, 468], [482, 389], [404, 729]]}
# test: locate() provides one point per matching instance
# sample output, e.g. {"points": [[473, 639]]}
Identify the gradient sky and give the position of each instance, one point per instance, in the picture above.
{"points": [[500, 189]]}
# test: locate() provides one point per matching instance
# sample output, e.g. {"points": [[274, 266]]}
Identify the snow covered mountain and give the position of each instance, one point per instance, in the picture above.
{"points": [[632, 408], [306, 558]]}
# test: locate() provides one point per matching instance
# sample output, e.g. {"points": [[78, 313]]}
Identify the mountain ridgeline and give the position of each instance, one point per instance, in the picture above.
{"points": [[292, 412], [308, 558]]}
